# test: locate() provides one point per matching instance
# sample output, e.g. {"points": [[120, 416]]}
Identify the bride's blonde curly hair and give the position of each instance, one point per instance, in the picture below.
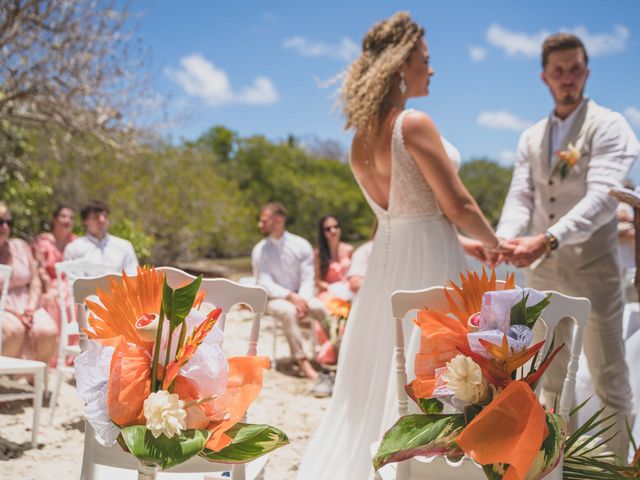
{"points": [[385, 47]]}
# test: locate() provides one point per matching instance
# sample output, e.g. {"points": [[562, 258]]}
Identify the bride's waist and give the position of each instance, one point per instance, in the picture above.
{"points": [[431, 217]]}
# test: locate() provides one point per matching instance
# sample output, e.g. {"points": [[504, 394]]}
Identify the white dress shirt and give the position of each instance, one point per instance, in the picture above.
{"points": [[110, 250], [284, 265], [614, 149], [360, 260]]}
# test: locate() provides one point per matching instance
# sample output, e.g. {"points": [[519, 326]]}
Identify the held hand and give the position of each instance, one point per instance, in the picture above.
{"points": [[499, 254], [527, 250], [475, 249]]}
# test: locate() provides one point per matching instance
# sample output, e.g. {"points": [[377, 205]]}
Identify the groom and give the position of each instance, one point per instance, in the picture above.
{"points": [[561, 222]]}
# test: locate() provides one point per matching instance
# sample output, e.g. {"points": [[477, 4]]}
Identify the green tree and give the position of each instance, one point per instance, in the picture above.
{"points": [[488, 182]]}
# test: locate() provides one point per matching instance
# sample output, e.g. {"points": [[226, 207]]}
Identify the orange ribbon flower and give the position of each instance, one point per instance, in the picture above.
{"points": [[509, 430]]}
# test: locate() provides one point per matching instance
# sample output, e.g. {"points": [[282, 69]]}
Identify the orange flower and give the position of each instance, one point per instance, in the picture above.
{"points": [[440, 340], [190, 346], [244, 383], [509, 430], [570, 156], [504, 360], [338, 307], [466, 299], [124, 304]]}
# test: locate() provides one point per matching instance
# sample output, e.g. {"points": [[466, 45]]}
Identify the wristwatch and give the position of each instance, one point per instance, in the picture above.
{"points": [[552, 242]]}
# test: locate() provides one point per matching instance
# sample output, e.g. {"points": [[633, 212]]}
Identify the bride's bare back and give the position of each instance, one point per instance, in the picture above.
{"points": [[371, 161]]}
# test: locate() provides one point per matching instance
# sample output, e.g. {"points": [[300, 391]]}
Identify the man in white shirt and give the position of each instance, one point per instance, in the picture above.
{"points": [[98, 246], [283, 265], [561, 222]]}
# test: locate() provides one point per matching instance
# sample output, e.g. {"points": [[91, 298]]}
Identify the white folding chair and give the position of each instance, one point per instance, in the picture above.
{"points": [[66, 273], [113, 462], [19, 366], [404, 302]]}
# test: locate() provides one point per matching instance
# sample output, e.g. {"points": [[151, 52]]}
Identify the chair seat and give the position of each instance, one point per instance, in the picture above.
{"points": [[11, 365]]}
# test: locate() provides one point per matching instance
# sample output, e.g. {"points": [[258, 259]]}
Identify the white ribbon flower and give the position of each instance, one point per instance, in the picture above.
{"points": [[464, 378], [165, 414]]}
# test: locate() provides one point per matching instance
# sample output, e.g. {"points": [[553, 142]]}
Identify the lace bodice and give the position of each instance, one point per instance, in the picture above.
{"points": [[409, 194]]}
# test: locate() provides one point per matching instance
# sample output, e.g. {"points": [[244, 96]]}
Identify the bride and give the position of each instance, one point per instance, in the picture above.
{"points": [[411, 183]]}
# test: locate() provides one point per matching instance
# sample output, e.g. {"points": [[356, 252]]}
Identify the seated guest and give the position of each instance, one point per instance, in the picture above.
{"points": [[28, 331], [283, 265], [98, 246], [333, 259], [358, 269], [48, 249]]}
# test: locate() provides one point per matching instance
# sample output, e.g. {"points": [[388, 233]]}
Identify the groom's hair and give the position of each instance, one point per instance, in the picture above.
{"points": [[562, 41], [276, 208]]}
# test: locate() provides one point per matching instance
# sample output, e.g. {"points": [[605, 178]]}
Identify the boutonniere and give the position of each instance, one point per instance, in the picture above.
{"points": [[566, 160]]}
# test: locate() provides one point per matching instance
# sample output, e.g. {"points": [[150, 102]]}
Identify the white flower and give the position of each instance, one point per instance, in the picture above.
{"points": [[165, 413], [464, 378]]}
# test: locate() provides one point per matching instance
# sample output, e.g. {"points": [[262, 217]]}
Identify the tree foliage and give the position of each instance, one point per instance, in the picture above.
{"points": [[488, 182]]}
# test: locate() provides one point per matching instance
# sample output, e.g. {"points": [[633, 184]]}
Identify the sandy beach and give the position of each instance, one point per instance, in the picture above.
{"points": [[285, 402]]}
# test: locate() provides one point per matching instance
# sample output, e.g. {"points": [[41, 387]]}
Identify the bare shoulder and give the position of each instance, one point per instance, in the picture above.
{"points": [[418, 126]]}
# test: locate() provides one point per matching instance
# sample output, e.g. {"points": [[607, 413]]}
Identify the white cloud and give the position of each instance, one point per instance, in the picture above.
{"points": [[262, 92], [530, 44], [477, 54], [603, 43], [516, 43], [633, 115], [502, 120], [346, 50], [507, 157], [201, 78]]}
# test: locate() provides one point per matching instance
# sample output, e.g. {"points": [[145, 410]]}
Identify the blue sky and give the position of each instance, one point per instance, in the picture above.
{"points": [[256, 66]]}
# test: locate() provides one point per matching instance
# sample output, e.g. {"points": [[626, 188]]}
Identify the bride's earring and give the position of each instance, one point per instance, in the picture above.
{"points": [[403, 84]]}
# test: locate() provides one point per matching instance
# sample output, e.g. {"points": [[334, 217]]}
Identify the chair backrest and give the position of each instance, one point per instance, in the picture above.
{"points": [[226, 294], [220, 292], [5, 277], [66, 273], [561, 306]]}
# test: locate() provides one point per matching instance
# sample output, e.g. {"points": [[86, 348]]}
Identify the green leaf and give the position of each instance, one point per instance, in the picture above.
{"points": [[528, 316], [430, 405], [177, 303], [414, 435], [249, 441], [519, 312], [166, 452], [534, 311]]}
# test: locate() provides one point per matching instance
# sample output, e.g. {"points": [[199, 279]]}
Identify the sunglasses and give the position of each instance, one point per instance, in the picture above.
{"points": [[9, 223], [330, 228]]}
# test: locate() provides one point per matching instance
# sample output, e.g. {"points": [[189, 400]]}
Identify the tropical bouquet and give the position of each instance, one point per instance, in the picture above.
{"points": [[156, 381], [337, 302], [476, 396]]}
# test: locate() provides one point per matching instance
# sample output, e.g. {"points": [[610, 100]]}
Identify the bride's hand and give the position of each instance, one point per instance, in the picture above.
{"points": [[474, 248]]}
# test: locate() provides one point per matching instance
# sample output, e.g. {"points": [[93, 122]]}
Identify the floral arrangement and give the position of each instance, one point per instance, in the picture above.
{"points": [[566, 160], [472, 359], [156, 381], [329, 332]]}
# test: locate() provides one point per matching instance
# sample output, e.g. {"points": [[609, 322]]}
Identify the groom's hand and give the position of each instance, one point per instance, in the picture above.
{"points": [[527, 249]]}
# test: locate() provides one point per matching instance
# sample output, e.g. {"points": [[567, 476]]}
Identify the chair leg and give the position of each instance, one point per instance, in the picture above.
{"points": [[37, 403], [53, 402], [275, 341], [87, 472]]}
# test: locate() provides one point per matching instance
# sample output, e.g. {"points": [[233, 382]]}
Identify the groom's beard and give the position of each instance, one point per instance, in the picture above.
{"points": [[571, 99]]}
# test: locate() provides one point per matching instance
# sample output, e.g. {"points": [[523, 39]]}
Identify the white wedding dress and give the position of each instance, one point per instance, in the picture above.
{"points": [[415, 247]]}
